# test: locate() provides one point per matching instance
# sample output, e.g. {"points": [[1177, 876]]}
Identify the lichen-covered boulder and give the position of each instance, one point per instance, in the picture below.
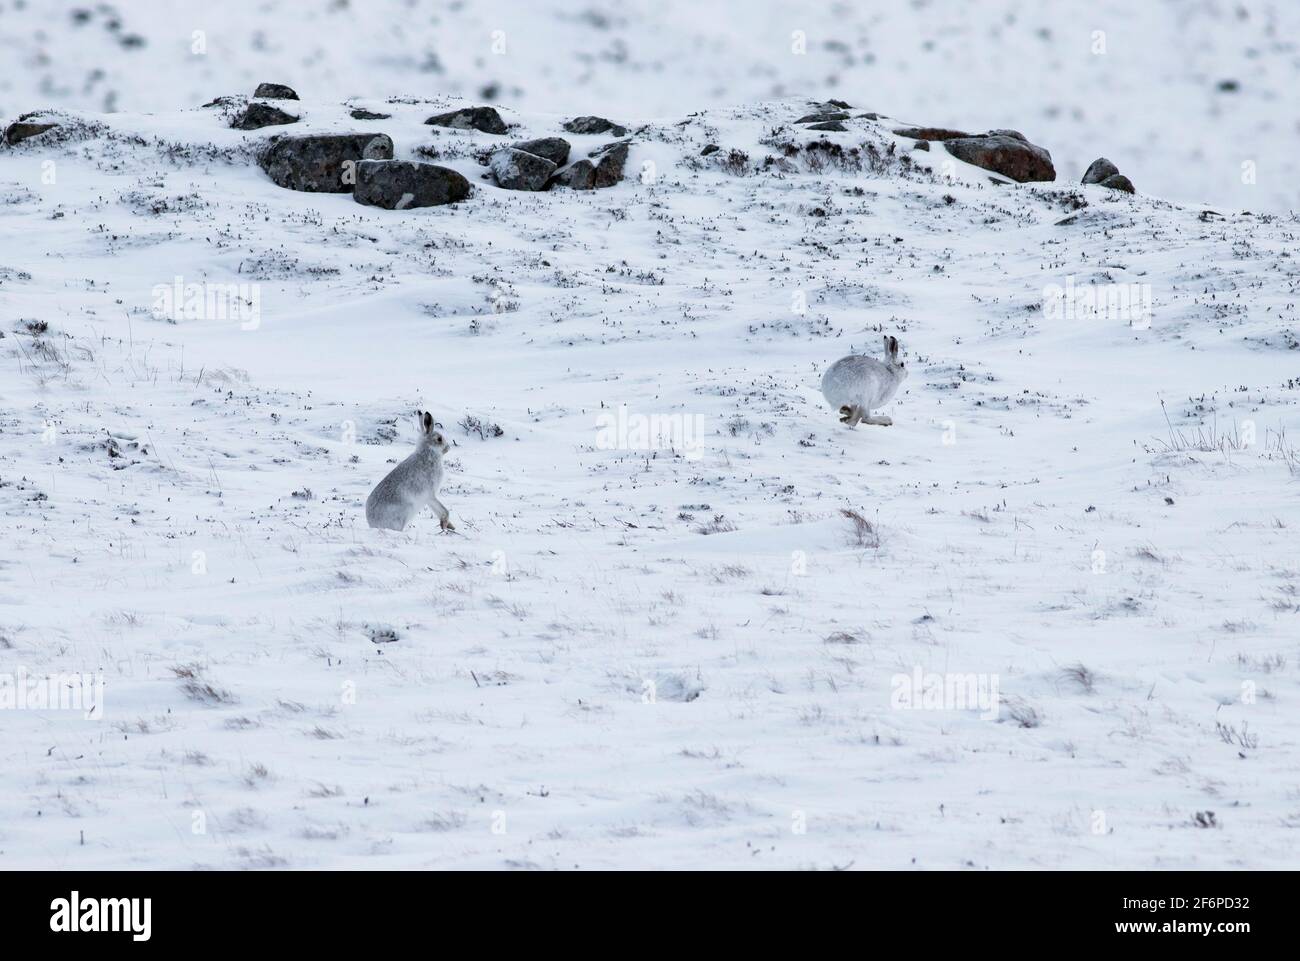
{"points": [[258, 115], [516, 169], [1119, 182], [930, 133], [610, 160], [485, 119], [322, 163], [589, 125], [581, 175], [554, 149], [402, 184], [1099, 170], [24, 130], [275, 91], [826, 116], [1018, 159]]}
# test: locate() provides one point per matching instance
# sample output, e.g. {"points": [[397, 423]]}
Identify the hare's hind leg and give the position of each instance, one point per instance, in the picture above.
{"points": [[388, 517], [850, 415], [879, 420], [444, 515]]}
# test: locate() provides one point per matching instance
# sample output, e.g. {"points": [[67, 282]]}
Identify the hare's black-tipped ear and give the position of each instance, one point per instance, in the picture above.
{"points": [[427, 422], [891, 345]]}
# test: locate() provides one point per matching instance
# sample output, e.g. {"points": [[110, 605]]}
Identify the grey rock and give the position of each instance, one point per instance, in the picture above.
{"points": [[360, 113], [921, 145], [1119, 182], [485, 119], [1018, 159], [322, 163], [595, 125], [1013, 134], [520, 170], [580, 176], [554, 149], [403, 184], [929, 133], [823, 117], [23, 130], [275, 91], [1099, 170], [610, 160], [258, 115], [828, 125]]}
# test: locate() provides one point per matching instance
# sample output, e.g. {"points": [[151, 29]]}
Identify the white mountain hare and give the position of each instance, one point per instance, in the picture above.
{"points": [[855, 385], [411, 484]]}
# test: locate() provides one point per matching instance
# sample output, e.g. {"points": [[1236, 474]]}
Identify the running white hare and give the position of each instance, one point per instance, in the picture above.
{"points": [[854, 386], [411, 484]]}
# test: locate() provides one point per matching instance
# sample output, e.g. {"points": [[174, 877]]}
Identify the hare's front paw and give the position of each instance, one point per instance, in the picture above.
{"points": [[885, 421], [446, 524]]}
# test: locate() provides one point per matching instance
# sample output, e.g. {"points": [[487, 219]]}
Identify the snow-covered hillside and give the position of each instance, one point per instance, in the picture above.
{"points": [[1195, 99], [696, 655]]}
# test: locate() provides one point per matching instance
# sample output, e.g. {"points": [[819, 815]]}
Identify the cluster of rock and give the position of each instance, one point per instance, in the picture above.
{"points": [[544, 163], [1102, 171], [358, 163], [1005, 152], [828, 116], [363, 164], [257, 115]]}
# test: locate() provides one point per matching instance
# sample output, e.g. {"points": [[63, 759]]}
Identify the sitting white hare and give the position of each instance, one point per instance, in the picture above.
{"points": [[412, 484], [854, 386]]}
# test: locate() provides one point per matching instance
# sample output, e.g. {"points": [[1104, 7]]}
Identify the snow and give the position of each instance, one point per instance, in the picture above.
{"points": [[626, 657]]}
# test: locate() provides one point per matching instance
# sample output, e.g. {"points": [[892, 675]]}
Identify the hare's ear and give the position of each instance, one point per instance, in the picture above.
{"points": [[426, 423], [891, 347]]}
